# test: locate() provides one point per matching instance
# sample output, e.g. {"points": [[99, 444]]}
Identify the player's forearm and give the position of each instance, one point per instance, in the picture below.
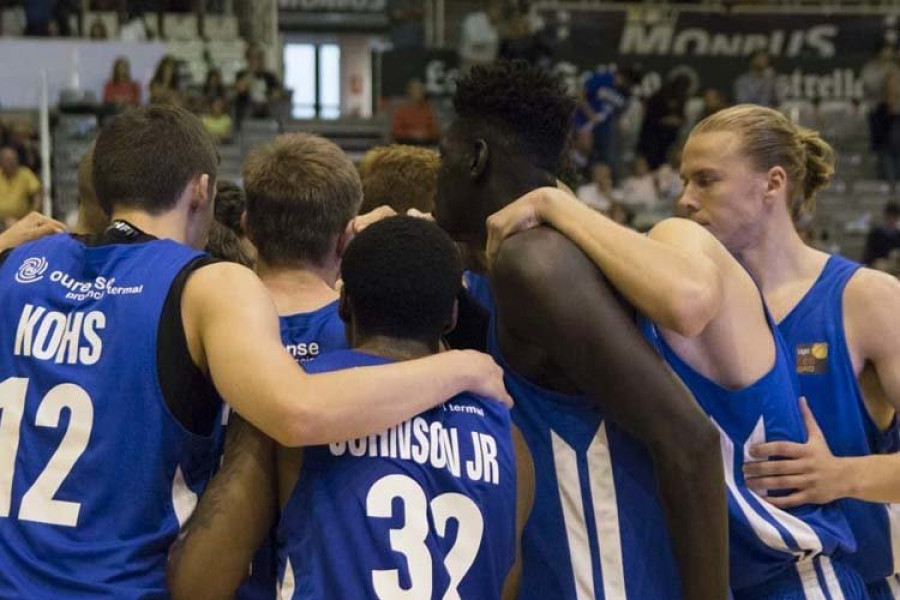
{"points": [[233, 516], [874, 478], [663, 282], [692, 490], [354, 403]]}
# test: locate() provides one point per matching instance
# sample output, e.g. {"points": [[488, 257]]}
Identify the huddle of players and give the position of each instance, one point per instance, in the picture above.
{"points": [[622, 486]]}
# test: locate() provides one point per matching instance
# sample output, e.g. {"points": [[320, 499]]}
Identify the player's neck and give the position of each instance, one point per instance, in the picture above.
{"points": [[780, 257], [170, 225], [394, 348], [298, 290]]}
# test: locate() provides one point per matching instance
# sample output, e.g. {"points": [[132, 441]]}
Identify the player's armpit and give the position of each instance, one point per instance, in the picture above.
{"points": [[524, 502], [551, 295], [231, 520]]}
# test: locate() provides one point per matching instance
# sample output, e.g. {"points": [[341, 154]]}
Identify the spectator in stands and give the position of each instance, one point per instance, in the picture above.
{"points": [[20, 190], [214, 87], [121, 90], [639, 189], [757, 86], [875, 73], [480, 40], [663, 120], [884, 237], [875, 76], [218, 122], [164, 85], [885, 123], [668, 178], [98, 31], [414, 122], [227, 238], [599, 193], [20, 139], [402, 177], [48, 17], [133, 26], [602, 102], [256, 88]]}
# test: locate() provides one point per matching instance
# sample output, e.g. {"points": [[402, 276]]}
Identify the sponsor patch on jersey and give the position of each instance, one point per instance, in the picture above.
{"points": [[812, 359]]}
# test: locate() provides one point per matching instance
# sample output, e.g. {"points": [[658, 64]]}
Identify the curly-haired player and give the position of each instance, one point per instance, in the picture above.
{"points": [[629, 493]]}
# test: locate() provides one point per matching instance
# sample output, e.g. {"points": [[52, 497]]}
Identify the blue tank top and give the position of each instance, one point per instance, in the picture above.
{"points": [[765, 542], [424, 510], [97, 474], [814, 331], [480, 288], [305, 336], [597, 529]]}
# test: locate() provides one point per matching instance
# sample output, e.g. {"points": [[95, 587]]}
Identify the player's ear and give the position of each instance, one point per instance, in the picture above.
{"points": [[776, 183], [202, 193], [479, 162], [454, 317]]}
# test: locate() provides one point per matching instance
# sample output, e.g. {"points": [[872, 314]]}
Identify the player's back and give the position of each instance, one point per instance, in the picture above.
{"points": [[771, 551], [97, 474], [305, 336], [814, 333], [597, 529], [422, 510]]}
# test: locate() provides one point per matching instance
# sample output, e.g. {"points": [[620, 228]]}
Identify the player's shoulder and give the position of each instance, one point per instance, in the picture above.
{"points": [[533, 255], [869, 289], [871, 304]]}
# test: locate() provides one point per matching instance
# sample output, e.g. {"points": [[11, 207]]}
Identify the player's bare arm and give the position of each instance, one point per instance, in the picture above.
{"points": [[231, 520], [593, 339], [524, 503], [225, 304], [669, 276]]}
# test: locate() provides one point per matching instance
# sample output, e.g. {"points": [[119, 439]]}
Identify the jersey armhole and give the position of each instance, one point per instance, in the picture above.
{"points": [[187, 391]]}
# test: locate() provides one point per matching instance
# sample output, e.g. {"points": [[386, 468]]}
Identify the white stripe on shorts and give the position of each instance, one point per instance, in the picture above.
{"points": [[809, 579]]}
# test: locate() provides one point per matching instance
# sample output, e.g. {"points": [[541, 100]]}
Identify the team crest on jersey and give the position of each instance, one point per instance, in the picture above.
{"points": [[812, 359], [32, 270]]}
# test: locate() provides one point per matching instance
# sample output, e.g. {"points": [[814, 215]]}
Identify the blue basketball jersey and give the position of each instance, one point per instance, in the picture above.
{"points": [[423, 510], [480, 288], [766, 544], [814, 332], [305, 336], [96, 475], [597, 530]]}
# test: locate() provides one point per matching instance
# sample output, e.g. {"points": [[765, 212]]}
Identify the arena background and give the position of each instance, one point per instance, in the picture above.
{"points": [[345, 65]]}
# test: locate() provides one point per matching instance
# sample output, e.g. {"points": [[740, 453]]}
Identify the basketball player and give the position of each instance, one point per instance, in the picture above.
{"points": [[706, 317], [402, 177], [750, 172], [839, 320], [111, 359], [349, 509], [628, 473], [91, 218], [31, 227]]}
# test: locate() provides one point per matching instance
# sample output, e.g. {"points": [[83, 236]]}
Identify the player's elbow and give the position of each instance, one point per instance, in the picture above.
{"points": [[693, 454], [694, 305]]}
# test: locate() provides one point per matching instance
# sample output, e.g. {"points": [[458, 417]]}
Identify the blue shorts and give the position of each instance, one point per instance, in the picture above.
{"points": [[818, 578], [886, 589]]}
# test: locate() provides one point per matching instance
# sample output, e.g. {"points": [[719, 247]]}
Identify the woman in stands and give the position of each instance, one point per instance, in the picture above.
{"points": [[120, 90]]}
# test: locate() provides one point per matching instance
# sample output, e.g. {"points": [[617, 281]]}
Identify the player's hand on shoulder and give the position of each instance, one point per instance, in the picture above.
{"points": [[525, 213], [380, 213], [486, 376], [31, 227], [418, 214]]}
